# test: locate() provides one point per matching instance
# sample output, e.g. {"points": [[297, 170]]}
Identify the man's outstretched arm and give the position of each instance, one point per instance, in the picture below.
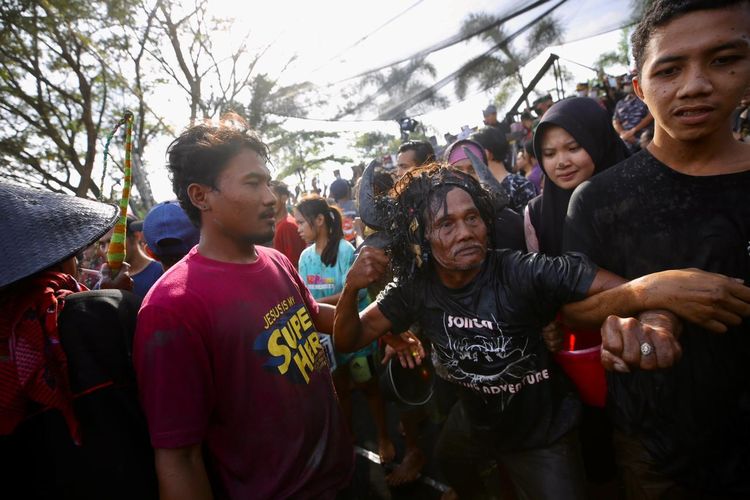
{"points": [[353, 330], [710, 300]]}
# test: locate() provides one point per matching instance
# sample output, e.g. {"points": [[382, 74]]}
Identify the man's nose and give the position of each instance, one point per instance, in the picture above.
{"points": [[269, 198], [463, 231], [695, 82]]}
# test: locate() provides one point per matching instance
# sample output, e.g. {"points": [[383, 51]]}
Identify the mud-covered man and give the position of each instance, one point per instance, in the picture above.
{"points": [[483, 310]]}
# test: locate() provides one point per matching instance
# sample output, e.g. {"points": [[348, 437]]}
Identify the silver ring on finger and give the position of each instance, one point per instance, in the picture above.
{"points": [[647, 349]]}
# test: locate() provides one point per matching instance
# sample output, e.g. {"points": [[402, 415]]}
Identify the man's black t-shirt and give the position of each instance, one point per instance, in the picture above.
{"points": [[486, 337], [642, 217], [509, 230]]}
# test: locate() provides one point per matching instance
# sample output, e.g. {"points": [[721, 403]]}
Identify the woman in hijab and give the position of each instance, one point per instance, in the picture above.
{"points": [[574, 141]]}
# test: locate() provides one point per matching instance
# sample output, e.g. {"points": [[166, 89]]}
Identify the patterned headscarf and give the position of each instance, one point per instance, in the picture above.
{"points": [[33, 365]]}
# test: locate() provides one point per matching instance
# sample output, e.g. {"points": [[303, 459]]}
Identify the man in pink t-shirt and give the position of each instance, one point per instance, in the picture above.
{"points": [[232, 376], [286, 239]]}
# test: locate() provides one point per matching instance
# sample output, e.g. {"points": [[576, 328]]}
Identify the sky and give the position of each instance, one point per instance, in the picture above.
{"points": [[333, 40]]}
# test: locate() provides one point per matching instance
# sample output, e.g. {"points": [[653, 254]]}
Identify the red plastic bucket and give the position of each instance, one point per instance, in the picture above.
{"points": [[580, 359]]}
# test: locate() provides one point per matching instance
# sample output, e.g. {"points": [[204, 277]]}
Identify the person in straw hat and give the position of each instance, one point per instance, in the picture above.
{"points": [[70, 424]]}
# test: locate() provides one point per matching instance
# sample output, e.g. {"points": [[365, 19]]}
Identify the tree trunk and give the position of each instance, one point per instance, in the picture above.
{"points": [[141, 182]]}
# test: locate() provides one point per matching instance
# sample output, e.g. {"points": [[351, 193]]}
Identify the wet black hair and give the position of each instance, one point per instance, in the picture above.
{"points": [[424, 153], [415, 202], [382, 183], [312, 206], [202, 152], [494, 141], [661, 12]]}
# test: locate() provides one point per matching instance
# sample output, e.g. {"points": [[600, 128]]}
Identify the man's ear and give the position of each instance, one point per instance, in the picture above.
{"points": [[150, 253], [198, 194], [637, 88]]}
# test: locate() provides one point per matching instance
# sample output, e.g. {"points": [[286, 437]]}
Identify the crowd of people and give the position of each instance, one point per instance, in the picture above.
{"points": [[219, 361]]}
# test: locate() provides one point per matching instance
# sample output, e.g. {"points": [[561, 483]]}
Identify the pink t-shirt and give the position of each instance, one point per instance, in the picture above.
{"points": [[287, 241], [227, 355]]}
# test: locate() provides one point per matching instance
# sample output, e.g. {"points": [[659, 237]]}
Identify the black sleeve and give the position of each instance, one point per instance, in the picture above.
{"points": [[96, 331], [549, 282], [509, 230], [398, 304], [580, 234]]}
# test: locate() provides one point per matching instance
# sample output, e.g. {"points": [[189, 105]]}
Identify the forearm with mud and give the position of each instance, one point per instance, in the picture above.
{"points": [[347, 326], [609, 298]]}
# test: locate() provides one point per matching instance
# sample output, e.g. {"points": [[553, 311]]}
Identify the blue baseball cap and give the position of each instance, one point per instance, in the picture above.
{"points": [[168, 230]]}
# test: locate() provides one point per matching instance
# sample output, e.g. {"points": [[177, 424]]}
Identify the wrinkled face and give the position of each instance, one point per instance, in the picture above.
{"points": [[458, 235], [405, 161], [308, 232], [242, 204], [564, 160], [693, 77]]}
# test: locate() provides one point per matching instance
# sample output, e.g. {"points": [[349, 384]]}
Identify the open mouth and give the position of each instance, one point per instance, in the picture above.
{"points": [[693, 114]]}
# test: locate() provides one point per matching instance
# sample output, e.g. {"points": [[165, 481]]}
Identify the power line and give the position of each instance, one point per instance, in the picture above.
{"points": [[330, 120], [440, 84], [608, 29], [389, 21], [447, 79], [453, 40], [448, 42], [420, 96]]}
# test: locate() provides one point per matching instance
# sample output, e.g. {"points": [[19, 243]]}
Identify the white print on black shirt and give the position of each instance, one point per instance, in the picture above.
{"points": [[477, 355], [463, 322]]}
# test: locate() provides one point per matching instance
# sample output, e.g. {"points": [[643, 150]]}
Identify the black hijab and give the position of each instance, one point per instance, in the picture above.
{"points": [[591, 127]]}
